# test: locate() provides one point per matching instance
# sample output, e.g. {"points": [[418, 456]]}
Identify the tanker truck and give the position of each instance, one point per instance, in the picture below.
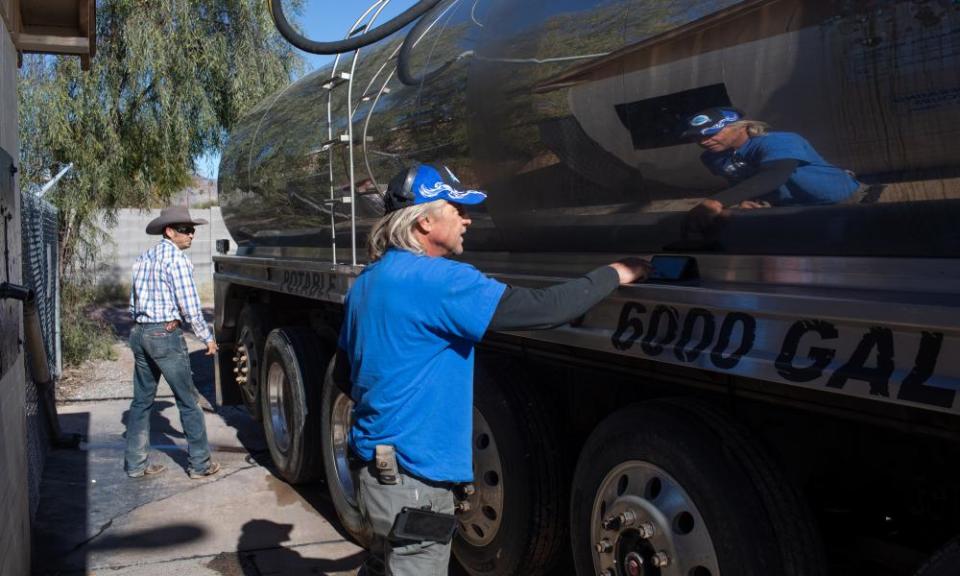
{"points": [[780, 398]]}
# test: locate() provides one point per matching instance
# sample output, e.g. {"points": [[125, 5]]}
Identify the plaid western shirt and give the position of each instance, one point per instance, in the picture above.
{"points": [[163, 289]]}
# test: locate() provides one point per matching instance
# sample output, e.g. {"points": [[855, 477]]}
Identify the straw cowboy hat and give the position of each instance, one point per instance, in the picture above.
{"points": [[172, 215]]}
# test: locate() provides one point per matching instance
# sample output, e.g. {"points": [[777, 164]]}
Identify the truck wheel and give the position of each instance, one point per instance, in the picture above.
{"points": [[250, 340], [674, 487], [290, 389], [516, 522], [944, 562], [341, 480]]}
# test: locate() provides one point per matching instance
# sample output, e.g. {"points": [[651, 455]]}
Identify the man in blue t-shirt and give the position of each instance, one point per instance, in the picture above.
{"points": [[764, 168], [411, 321]]}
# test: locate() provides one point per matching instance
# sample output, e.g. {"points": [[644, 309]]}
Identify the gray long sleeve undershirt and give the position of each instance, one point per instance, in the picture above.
{"points": [[769, 177], [541, 308]]}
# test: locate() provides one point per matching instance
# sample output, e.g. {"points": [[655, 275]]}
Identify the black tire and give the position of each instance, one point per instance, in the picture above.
{"points": [[944, 562], [722, 506], [516, 450], [341, 480], [253, 327], [291, 382]]}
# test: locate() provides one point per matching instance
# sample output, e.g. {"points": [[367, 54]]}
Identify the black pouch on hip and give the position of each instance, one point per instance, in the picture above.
{"points": [[418, 525]]}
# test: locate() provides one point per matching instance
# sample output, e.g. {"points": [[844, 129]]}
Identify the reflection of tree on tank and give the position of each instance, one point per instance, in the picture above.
{"points": [[533, 108]]}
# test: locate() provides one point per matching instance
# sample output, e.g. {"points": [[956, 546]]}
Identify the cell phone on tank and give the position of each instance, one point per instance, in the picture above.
{"points": [[672, 269], [423, 525]]}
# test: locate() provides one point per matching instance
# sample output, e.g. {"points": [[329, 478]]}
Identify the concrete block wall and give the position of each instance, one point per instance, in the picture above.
{"points": [[128, 240], [14, 492]]}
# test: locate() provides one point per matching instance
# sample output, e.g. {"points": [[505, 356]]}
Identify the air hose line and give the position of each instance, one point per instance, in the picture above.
{"points": [[339, 46]]}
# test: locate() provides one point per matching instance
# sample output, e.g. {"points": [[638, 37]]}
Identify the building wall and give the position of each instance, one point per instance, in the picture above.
{"points": [[128, 240], [14, 494]]}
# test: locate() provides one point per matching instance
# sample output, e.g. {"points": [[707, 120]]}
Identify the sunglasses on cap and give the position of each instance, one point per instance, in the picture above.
{"points": [[184, 228]]}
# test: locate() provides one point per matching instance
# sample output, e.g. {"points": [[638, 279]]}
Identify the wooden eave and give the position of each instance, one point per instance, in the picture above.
{"points": [[54, 27]]}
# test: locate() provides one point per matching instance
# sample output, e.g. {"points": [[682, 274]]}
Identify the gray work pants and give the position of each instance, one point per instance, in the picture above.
{"points": [[379, 506]]}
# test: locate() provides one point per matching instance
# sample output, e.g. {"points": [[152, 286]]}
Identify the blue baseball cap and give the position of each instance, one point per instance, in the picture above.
{"points": [[423, 183], [710, 121]]}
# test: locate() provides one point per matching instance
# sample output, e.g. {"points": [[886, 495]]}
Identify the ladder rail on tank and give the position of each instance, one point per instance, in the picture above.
{"points": [[338, 79]]}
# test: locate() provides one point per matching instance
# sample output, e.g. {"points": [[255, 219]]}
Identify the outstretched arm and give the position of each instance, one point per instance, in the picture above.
{"points": [[769, 177], [541, 308]]}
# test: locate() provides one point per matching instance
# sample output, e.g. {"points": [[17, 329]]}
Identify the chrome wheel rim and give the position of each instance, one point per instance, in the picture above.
{"points": [[644, 523], [276, 394], [340, 420], [479, 525]]}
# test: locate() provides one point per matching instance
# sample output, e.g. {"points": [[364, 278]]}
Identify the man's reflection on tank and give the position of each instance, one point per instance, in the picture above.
{"points": [[764, 168]]}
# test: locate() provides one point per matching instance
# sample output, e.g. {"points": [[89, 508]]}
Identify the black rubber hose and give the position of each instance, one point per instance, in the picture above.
{"points": [[339, 46], [403, 58]]}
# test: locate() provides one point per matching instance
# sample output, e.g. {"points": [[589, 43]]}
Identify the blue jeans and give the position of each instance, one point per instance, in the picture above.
{"points": [[156, 352]]}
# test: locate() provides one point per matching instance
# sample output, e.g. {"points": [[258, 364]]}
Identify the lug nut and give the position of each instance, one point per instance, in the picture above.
{"points": [[469, 489], [660, 559], [241, 379], [622, 520], [603, 546], [462, 507], [646, 530], [236, 369]]}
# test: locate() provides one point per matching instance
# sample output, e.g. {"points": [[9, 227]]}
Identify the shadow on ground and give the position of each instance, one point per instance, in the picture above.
{"points": [[87, 502], [261, 550]]}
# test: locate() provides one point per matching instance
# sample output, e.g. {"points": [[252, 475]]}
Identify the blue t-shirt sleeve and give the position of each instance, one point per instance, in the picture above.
{"points": [[780, 146], [468, 299]]}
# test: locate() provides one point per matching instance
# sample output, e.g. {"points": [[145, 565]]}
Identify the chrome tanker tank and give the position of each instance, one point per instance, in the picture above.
{"points": [[570, 113]]}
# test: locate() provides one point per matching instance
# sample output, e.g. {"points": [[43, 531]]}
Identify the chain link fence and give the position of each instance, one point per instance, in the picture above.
{"points": [[41, 274]]}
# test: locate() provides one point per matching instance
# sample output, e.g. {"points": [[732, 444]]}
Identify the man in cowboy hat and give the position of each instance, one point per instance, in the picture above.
{"points": [[163, 295], [411, 321]]}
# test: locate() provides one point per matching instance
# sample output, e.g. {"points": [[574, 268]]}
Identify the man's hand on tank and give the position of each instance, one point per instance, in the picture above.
{"points": [[631, 270], [211, 348], [701, 217], [753, 204]]}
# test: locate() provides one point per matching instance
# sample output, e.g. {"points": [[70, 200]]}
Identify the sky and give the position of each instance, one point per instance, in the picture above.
{"points": [[321, 20]]}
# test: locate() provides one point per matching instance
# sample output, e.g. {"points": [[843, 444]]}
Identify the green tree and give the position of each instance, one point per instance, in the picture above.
{"points": [[169, 80]]}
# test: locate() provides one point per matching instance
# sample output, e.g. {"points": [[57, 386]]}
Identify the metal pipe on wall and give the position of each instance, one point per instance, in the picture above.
{"points": [[40, 369]]}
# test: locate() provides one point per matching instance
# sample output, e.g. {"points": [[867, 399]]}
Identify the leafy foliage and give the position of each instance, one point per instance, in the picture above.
{"points": [[169, 79], [83, 337]]}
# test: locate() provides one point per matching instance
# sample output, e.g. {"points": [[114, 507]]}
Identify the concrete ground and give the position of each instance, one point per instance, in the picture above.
{"points": [[93, 519]]}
